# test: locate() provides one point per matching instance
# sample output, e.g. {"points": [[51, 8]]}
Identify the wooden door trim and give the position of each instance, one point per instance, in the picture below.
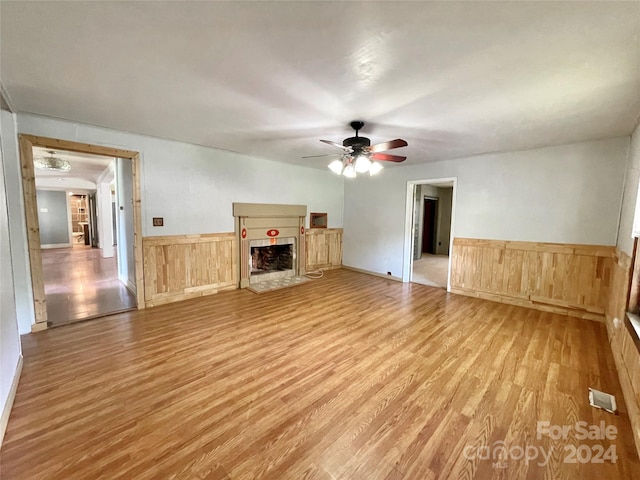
{"points": [[27, 142], [33, 232]]}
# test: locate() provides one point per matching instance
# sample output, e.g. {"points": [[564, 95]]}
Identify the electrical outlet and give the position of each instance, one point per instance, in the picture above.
{"points": [[158, 221]]}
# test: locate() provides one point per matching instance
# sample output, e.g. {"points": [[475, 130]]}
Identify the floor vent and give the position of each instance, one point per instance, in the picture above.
{"points": [[602, 400]]}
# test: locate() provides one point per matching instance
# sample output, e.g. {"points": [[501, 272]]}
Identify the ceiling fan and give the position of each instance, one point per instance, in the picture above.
{"points": [[359, 156]]}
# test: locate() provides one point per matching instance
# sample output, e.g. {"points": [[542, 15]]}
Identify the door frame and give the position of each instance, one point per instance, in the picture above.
{"points": [[407, 260], [27, 142]]}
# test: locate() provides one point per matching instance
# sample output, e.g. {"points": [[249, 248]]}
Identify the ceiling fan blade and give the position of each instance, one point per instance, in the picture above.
{"points": [[381, 147], [385, 157], [327, 155], [339, 145]]}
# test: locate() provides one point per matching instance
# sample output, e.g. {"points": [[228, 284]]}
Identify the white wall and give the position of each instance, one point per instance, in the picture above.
{"points": [[625, 242], [105, 221], [53, 217], [444, 220], [17, 223], [10, 350], [565, 194], [193, 187], [124, 212]]}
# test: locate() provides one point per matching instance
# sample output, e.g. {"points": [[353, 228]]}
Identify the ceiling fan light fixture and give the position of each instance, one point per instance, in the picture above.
{"points": [[375, 168], [358, 154], [363, 164], [349, 171], [336, 167], [52, 163]]}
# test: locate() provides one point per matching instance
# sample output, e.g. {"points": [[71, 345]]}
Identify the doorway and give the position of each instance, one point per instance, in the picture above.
{"points": [[83, 276], [429, 225], [100, 225], [429, 232]]}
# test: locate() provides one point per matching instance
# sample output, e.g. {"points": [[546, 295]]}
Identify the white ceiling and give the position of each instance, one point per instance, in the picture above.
{"points": [[84, 168], [271, 78]]}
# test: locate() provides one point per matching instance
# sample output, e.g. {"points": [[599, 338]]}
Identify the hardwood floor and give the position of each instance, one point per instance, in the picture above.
{"points": [[431, 270], [80, 284], [347, 377]]}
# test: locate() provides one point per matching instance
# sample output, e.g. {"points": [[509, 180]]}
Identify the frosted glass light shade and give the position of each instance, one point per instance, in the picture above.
{"points": [[362, 164], [349, 171], [375, 168], [336, 167], [51, 163]]}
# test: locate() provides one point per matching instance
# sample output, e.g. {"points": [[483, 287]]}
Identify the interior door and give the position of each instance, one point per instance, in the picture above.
{"points": [[429, 226]]}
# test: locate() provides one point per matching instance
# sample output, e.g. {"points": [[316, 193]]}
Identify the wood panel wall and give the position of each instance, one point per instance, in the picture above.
{"points": [[625, 351], [324, 248], [179, 267], [579, 280], [563, 278]]}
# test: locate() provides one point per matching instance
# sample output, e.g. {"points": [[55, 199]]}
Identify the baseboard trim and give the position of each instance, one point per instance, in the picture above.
{"points": [[375, 274], [6, 411], [47, 246], [130, 286], [533, 303], [163, 299], [39, 326]]}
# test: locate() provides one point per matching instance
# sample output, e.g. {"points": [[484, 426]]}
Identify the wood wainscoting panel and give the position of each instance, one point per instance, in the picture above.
{"points": [[564, 278], [625, 352], [621, 266], [324, 248], [179, 267]]}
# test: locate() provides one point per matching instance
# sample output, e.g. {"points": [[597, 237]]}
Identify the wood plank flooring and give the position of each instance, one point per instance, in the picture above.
{"points": [[431, 270], [347, 377], [80, 284]]}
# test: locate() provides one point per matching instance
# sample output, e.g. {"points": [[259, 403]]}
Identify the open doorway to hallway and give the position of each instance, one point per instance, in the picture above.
{"points": [[431, 226], [85, 218], [81, 284]]}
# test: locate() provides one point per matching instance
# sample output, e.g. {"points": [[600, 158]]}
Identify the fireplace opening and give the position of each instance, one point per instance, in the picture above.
{"points": [[271, 258]]}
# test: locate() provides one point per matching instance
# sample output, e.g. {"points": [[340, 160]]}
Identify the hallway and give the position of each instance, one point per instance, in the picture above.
{"points": [[431, 270], [80, 284]]}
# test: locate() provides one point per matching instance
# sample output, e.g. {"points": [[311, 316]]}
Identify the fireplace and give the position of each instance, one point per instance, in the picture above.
{"points": [[269, 261], [271, 241]]}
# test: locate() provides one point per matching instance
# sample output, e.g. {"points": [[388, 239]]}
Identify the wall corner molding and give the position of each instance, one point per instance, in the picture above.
{"points": [[6, 411]]}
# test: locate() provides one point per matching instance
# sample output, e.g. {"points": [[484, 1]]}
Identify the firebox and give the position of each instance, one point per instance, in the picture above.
{"points": [[271, 259]]}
